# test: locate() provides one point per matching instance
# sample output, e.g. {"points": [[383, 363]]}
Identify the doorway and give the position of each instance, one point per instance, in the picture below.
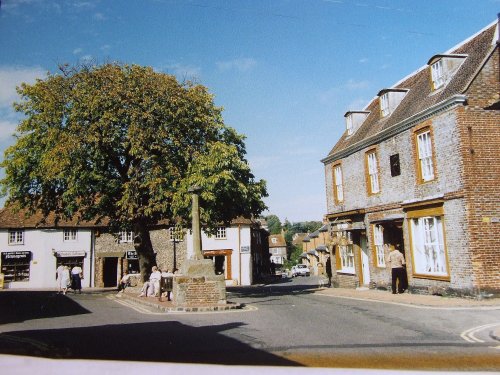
{"points": [[365, 264], [110, 272]]}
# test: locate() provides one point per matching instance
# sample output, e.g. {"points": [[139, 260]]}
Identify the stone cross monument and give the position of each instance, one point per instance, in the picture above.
{"points": [[198, 284]]}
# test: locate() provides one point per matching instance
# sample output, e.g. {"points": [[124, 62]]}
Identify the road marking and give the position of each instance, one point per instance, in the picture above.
{"points": [[469, 335], [411, 305]]}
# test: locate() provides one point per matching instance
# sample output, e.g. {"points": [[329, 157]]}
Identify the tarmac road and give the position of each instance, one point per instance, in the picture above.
{"points": [[290, 323]]}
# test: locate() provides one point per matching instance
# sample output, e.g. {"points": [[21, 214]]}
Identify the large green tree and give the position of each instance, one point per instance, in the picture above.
{"points": [[124, 144]]}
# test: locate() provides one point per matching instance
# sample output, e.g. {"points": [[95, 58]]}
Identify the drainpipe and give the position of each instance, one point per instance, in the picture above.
{"points": [[91, 260], [239, 252]]}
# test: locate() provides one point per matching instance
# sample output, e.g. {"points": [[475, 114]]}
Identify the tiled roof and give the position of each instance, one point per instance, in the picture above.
{"points": [[9, 219], [280, 240], [20, 219], [420, 96]]}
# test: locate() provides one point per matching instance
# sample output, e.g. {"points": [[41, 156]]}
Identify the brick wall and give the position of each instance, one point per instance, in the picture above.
{"points": [[480, 131]]}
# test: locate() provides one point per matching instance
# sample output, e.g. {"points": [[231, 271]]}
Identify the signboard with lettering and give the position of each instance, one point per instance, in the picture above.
{"points": [[16, 255], [132, 255], [245, 249]]}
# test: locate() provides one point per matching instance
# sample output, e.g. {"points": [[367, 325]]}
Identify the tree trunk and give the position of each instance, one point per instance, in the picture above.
{"points": [[144, 248]]}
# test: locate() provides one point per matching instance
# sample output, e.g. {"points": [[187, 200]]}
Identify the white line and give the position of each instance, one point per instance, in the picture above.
{"points": [[469, 334]]}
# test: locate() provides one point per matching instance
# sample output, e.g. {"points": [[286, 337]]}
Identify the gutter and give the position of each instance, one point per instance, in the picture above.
{"points": [[391, 131]]}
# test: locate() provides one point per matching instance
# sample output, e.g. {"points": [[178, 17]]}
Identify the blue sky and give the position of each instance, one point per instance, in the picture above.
{"points": [[285, 71]]}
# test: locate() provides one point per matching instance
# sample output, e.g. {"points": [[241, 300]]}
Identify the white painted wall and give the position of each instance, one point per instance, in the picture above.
{"points": [[42, 243]]}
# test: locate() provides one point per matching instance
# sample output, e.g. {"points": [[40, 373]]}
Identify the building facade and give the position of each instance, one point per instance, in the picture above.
{"points": [[418, 169], [32, 247], [277, 249]]}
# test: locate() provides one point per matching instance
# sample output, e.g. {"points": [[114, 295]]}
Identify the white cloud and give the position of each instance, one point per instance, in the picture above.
{"points": [[100, 17], [7, 129], [357, 85], [363, 60], [77, 51], [242, 65], [13, 76], [181, 71]]}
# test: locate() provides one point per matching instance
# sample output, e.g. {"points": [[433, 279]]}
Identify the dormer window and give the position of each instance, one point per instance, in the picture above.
{"points": [[348, 122], [389, 100], [443, 67], [437, 74], [354, 119], [384, 104]]}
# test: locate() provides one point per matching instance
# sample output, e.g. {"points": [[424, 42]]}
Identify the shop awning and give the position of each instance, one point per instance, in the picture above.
{"points": [[390, 217], [324, 228], [311, 252], [303, 255], [110, 254], [70, 253], [321, 248]]}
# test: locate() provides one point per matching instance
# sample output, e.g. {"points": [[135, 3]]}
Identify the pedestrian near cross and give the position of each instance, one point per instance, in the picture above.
{"points": [[397, 263]]}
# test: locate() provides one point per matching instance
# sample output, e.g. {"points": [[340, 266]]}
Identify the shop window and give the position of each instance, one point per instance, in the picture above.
{"points": [[69, 262], [378, 243], [16, 237], [70, 235], [346, 253], [428, 247], [16, 266]]}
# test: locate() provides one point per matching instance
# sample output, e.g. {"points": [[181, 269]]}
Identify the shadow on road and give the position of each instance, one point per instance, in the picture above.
{"points": [[152, 342], [19, 306]]}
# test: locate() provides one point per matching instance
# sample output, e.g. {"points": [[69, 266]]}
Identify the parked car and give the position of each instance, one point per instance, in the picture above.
{"points": [[300, 270]]}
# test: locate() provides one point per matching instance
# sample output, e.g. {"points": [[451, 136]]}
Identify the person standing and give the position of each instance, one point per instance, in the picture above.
{"points": [[59, 273], [76, 279], [397, 263]]}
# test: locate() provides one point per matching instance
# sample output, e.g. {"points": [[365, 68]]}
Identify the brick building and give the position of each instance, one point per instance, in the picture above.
{"points": [[418, 168]]}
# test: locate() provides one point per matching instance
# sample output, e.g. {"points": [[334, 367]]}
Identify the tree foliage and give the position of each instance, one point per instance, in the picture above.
{"points": [[125, 143], [273, 224]]}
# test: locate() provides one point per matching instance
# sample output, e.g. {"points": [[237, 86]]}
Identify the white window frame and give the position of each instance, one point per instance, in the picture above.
{"points": [[384, 105], [378, 243], [221, 233], [16, 237], [349, 124], [373, 172], [428, 249], [346, 253], [126, 236], [425, 161], [70, 235], [437, 73], [337, 180]]}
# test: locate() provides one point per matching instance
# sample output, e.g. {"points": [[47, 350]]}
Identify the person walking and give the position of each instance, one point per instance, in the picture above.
{"points": [[397, 264], [76, 279], [65, 279]]}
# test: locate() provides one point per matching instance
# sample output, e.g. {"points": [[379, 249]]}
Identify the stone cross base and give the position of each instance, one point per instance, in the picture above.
{"points": [[198, 285]]}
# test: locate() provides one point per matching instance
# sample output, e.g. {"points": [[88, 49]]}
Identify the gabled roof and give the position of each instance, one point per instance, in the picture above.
{"points": [[420, 99], [280, 240]]}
